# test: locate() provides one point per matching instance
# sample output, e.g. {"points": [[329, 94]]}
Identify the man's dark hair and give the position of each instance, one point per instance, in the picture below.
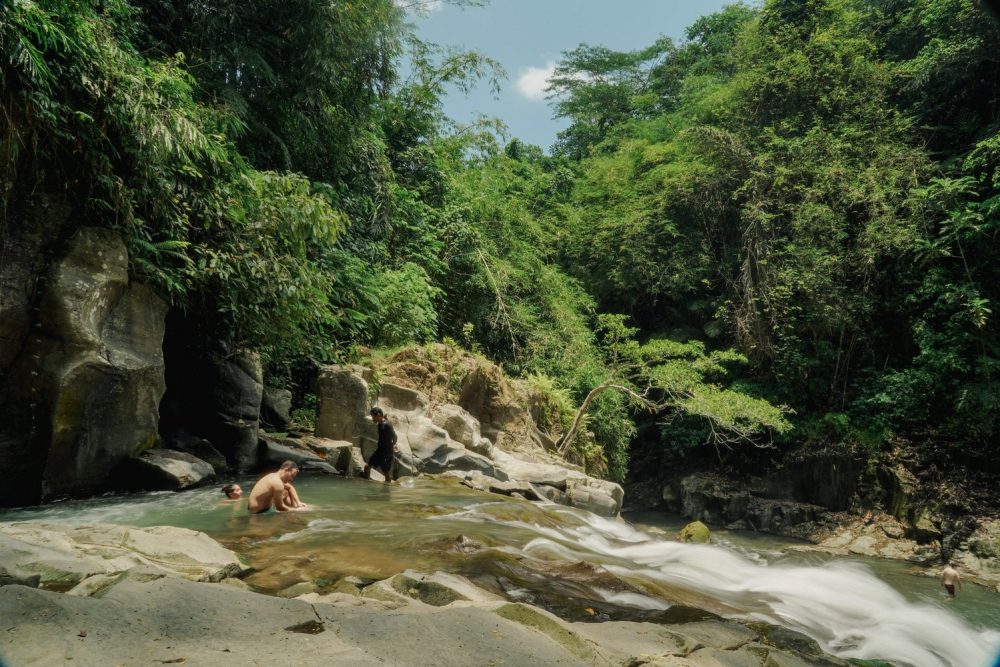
{"points": [[377, 411], [228, 490], [289, 465]]}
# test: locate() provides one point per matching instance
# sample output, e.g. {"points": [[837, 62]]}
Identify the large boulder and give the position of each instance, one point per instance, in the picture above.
{"points": [[394, 398], [696, 532], [273, 452], [448, 375], [981, 563], [343, 404], [460, 425], [713, 498], [214, 391], [432, 450], [341, 454], [594, 495], [63, 556], [164, 469], [276, 407], [83, 393], [926, 529], [783, 517], [546, 474], [826, 479], [198, 447], [985, 541], [900, 485], [238, 389]]}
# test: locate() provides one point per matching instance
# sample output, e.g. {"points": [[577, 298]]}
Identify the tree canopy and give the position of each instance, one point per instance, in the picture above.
{"points": [[795, 205]]}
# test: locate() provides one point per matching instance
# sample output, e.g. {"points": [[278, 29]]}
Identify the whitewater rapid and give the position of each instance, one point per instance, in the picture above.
{"points": [[842, 605]]}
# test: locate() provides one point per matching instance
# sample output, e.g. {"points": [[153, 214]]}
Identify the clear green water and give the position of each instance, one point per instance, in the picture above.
{"points": [[580, 566]]}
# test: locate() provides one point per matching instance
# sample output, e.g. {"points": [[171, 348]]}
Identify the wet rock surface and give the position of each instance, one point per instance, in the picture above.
{"points": [[142, 615], [447, 437], [909, 522], [740, 504], [164, 469], [63, 557]]}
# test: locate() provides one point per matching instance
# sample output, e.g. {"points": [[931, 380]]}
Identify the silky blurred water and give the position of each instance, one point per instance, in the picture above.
{"points": [[578, 565]]}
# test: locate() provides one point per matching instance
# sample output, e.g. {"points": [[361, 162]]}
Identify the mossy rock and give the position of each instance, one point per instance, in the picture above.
{"points": [[532, 618], [428, 592], [696, 532]]}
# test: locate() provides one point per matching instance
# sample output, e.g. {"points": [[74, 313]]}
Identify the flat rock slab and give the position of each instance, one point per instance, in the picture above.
{"points": [[152, 620], [64, 556], [149, 619], [166, 469], [145, 616], [455, 635], [276, 452]]}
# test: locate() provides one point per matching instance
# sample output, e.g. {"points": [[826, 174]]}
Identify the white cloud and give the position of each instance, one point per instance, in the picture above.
{"points": [[534, 80]]}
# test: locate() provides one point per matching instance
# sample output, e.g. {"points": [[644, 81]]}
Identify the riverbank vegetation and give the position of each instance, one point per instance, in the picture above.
{"points": [[796, 205]]}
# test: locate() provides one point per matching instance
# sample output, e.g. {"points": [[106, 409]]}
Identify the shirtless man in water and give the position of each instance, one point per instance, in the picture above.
{"points": [[276, 490], [950, 579]]}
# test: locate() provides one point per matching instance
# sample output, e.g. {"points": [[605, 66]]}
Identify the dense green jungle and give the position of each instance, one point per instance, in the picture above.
{"points": [[777, 234]]}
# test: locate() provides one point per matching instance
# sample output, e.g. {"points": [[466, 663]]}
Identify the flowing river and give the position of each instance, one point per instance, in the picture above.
{"points": [[575, 564]]}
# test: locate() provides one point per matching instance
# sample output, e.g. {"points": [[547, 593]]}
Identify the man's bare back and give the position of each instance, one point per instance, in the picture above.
{"points": [[276, 490], [950, 579]]}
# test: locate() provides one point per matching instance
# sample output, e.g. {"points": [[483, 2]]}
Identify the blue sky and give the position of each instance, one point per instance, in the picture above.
{"points": [[527, 38]]}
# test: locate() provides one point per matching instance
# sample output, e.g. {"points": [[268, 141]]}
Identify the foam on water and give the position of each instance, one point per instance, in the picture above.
{"points": [[843, 606], [316, 527], [630, 599]]}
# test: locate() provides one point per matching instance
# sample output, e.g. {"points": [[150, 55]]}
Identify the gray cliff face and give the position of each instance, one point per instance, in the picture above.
{"points": [[81, 394], [342, 412], [27, 238]]}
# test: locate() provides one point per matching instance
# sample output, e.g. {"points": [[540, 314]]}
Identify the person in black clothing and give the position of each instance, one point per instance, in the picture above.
{"points": [[382, 459]]}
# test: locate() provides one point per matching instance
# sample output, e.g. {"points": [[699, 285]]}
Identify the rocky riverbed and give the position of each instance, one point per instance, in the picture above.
{"points": [[108, 595], [898, 528]]}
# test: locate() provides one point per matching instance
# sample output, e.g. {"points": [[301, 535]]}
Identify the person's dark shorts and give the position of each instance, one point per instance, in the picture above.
{"points": [[381, 461], [950, 588]]}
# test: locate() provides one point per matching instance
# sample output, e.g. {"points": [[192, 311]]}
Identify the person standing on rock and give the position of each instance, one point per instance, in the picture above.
{"points": [[950, 579], [383, 457], [276, 490]]}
